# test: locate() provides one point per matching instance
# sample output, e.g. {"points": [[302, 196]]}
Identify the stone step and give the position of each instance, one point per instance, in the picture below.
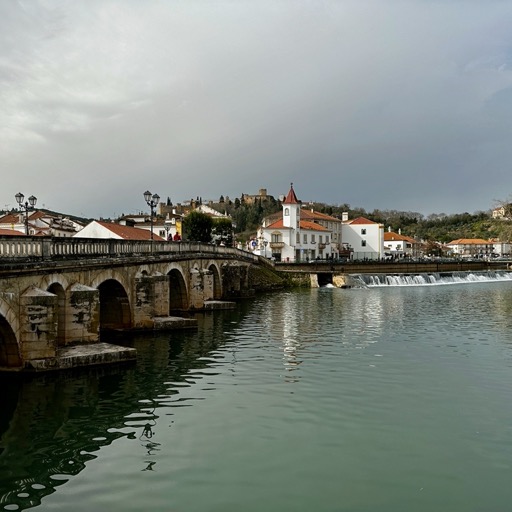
{"points": [[173, 322], [83, 355], [219, 304]]}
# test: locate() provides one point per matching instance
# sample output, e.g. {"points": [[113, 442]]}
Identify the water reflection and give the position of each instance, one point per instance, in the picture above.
{"points": [[377, 365], [53, 424]]}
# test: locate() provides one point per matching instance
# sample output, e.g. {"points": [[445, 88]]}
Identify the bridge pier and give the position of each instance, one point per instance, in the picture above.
{"points": [[82, 316], [38, 324], [151, 299]]}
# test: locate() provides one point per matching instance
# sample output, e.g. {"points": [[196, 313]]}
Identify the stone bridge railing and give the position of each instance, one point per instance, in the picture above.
{"points": [[23, 248]]}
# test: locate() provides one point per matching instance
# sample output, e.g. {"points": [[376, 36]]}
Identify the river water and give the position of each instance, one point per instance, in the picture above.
{"points": [[378, 399]]}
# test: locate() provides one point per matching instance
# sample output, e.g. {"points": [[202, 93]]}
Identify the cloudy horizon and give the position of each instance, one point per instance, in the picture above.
{"points": [[381, 104]]}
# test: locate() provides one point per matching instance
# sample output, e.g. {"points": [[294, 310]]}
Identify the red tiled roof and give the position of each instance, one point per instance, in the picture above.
{"points": [[10, 218], [390, 236], [11, 232], [129, 233], [308, 214], [291, 198], [361, 220], [469, 241], [304, 224]]}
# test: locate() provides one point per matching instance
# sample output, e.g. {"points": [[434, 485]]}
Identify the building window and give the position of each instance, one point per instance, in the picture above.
{"points": [[305, 238], [287, 211], [326, 239], [275, 238], [313, 239], [321, 239], [363, 231], [297, 238], [363, 243]]}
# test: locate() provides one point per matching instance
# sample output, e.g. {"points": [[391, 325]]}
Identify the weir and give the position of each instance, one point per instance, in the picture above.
{"points": [[426, 279]]}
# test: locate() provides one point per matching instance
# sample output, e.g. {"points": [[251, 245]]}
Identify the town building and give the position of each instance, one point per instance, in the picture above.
{"points": [[296, 235], [363, 237], [501, 248], [502, 212], [102, 229], [40, 223], [471, 247], [167, 226], [398, 246]]}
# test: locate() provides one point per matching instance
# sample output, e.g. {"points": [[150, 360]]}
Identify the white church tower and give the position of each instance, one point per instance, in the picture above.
{"points": [[291, 210]]}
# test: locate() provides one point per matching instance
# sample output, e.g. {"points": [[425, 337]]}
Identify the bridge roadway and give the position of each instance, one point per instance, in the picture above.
{"points": [[380, 267], [59, 293]]}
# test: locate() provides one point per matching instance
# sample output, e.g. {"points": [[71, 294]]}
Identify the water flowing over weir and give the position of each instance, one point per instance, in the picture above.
{"points": [[428, 279]]}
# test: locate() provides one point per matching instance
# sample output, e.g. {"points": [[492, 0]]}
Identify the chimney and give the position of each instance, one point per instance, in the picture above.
{"points": [[344, 216]]}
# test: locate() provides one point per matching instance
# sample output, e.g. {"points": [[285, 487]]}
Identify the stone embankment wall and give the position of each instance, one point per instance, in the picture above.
{"points": [[266, 279]]}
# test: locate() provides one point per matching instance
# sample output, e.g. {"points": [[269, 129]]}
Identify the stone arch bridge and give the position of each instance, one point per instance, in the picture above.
{"points": [[56, 293]]}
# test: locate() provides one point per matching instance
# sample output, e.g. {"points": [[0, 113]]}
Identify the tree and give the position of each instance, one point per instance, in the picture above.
{"points": [[197, 227], [223, 232]]}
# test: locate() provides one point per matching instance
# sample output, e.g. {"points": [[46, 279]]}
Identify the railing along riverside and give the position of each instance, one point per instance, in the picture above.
{"points": [[23, 247]]}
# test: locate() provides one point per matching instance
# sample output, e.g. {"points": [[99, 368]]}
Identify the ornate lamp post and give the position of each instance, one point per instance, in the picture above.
{"points": [[167, 226], [29, 205], [152, 200]]}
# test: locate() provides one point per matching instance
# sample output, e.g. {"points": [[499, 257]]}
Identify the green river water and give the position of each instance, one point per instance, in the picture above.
{"points": [[365, 400]]}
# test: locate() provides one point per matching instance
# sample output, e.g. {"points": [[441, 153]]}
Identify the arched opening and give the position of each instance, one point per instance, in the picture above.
{"points": [[114, 306], [177, 291], [324, 278], [217, 287], [60, 314], [9, 350]]}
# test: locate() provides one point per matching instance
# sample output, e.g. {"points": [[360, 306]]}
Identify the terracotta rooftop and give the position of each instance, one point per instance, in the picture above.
{"points": [[304, 224], [469, 241], [390, 236], [361, 220], [129, 233], [11, 232], [308, 214], [291, 198]]}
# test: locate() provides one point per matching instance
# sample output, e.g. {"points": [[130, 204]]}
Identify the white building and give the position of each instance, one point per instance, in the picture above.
{"points": [[40, 223], [294, 238], [101, 229], [364, 237], [501, 248], [168, 228], [471, 247], [399, 246]]}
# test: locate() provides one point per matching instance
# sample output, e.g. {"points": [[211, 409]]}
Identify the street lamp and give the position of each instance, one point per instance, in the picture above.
{"points": [[167, 226], [29, 205], [152, 200]]}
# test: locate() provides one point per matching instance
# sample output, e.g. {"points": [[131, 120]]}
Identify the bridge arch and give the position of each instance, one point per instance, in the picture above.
{"points": [[178, 296], [217, 282], [115, 311], [9, 348]]}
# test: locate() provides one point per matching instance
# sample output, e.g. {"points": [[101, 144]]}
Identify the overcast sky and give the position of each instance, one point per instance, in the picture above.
{"points": [[384, 104]]}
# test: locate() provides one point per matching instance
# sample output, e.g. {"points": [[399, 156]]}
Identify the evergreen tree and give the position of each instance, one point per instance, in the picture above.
{"points": [[197, 227]]}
